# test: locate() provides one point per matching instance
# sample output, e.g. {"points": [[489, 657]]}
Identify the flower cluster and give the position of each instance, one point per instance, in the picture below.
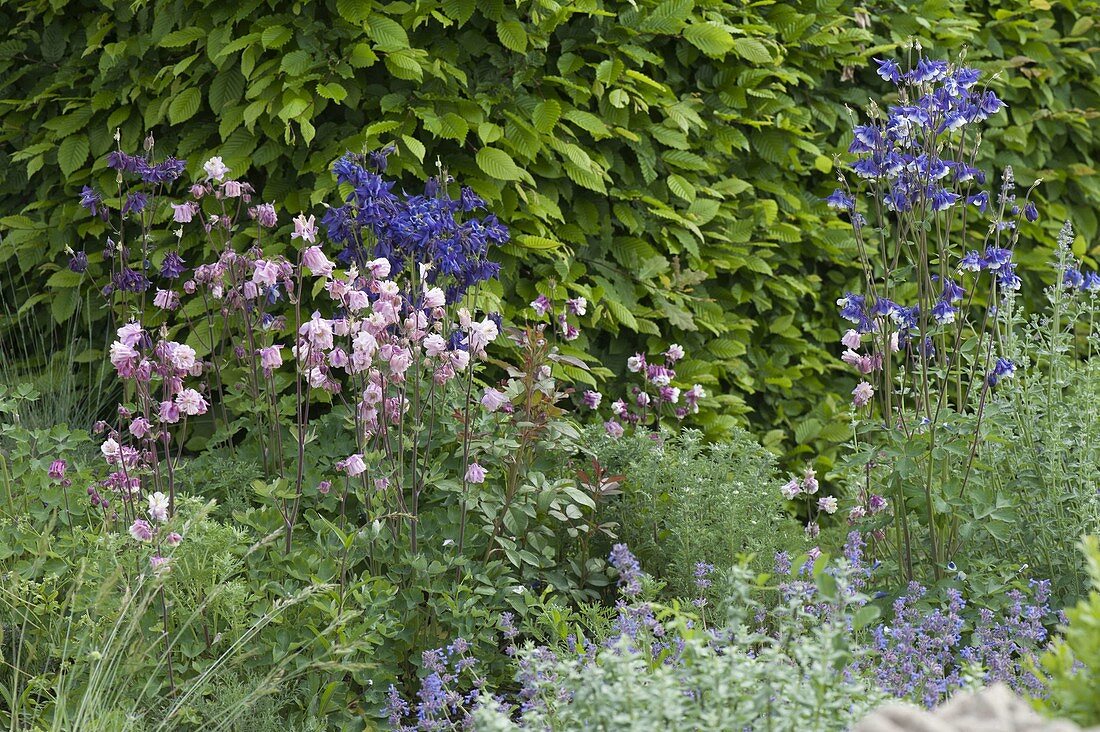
{"points": [[439, 702], [656, 396], [922, 653], [936, 101], [432, 233]]}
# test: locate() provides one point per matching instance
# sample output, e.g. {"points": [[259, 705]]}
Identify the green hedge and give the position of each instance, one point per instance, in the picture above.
{"points": [[664, 159]]}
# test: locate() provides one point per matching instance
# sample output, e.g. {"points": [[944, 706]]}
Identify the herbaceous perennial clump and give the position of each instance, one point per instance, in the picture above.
{"points": [[926, 334]]}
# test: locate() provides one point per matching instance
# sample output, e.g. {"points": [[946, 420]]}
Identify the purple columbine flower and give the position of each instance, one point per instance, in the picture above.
{"points": [[79, 262], [172, 266]]}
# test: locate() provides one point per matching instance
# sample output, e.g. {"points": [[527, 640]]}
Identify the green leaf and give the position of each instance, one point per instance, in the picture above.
{"points": [[668, 17], [865, 616], [498, 164], [546, 115], [512, 34], [416, 147], [184, 105], [362, 56], [537, 243], [681, 188], [275, 37], [72, 153], [180, 38], [354, 11], [226, 89], [709, 38], [332, 90], [753, 50], [387, 33], [295, 63]]}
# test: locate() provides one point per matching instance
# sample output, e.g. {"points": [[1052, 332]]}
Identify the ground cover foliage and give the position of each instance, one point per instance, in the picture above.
{"points": [[663, 159]]}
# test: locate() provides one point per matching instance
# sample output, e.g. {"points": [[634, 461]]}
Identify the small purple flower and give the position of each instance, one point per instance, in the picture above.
{"points": [[172, 266], [79, 262], [135, 202], [630, 571]]}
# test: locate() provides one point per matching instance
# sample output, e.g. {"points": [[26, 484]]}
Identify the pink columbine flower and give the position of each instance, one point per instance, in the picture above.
{"points": [[894, 345], [130, 334], [318, 332], [265, 272], [140, 427], [541, 305], [182, 213], [190, 402], [642, 399], [481, 335], [158, 507], [316, 261], [215, 168], [674, 353], [265, 215], [827, 504], [324, 487], [271, 358], [791, 489], [57, 469], [435, 345], [158, 564], [434, 298], [379, 268], [198, 190], [614, 429], [475, 473], [182, 356], [635, 363], [173, 539], [852, 339], [141, 530], [232, 189], [856, 513], [111, 450], [169, 412], [809, 481], [876, 503], [592, 399], [166, 300], [577, 306], [305, 228], [353, 465], [862, 394], [493, 400]]}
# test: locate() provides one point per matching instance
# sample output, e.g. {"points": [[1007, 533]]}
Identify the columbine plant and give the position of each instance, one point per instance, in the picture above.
{"points": [[936, 249]]}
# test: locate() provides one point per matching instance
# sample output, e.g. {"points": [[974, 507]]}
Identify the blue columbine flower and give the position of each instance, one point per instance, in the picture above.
{"points": [[995, 258], [840, 199], [1092, 282], [944, 312], [971, 262], [1007, 278], [928, 70], [172, 266], [889, 70], [952, 292], [79, 262], [1003, 369], [943, 199], [135, 202], [979, 200], [1031, 213]]}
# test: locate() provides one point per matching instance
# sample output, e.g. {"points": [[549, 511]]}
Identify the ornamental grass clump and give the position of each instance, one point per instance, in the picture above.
{"points": [[926, 333]]}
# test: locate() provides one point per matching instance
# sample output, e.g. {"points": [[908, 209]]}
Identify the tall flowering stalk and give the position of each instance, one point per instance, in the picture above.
{"points": [[936, 248]]}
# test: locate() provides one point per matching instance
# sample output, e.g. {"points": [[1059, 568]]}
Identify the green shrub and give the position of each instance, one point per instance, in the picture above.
{"points": [[661, 158], [1072, 664], [686, 502]]}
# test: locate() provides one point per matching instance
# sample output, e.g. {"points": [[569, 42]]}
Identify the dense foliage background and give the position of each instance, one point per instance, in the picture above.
{"points": [[659, 158]]}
